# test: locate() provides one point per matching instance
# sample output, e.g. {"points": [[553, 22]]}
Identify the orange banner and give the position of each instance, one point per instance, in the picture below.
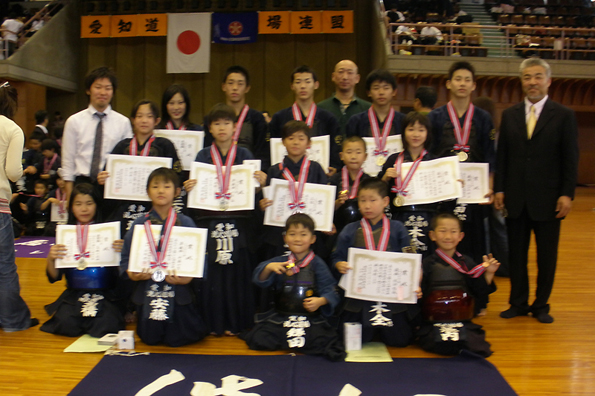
{"points": [[271, 22], [152, 25], [337, 21], [95, 26], [124, 25], [306, 22]]}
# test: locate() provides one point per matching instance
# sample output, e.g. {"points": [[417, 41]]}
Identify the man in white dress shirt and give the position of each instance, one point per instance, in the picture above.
{"points": [[91, 134]]}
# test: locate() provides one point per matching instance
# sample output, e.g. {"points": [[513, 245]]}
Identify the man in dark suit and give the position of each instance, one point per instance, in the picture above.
{"points": [[536, 173], [42, 120]]}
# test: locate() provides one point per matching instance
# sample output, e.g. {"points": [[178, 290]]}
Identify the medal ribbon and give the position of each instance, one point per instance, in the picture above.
{"points": [[345, 175], [305, 261], [240, 123], [400, 183], [134, 146], [462, 138], [61, 199], [369, 237], [82, 234], [297, 114], [158, 252], [296, 195], [224, 178], [475, 272], [47, 164], [170, 125], [381, 140]]}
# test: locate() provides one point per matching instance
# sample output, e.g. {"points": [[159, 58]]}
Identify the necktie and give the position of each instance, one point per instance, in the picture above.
{"points": [[97, 148], [531, 122]]}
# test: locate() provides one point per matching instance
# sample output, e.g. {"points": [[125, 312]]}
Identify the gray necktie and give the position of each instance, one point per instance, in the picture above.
{"points": [[97, 148]]}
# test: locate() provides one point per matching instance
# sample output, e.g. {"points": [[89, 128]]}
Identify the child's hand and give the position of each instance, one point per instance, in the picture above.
{"points": [[333, 231], [173, 279], [30, 170], [45, 176], [342, 267], [24, 207], [490, 263], [57, 251], [189, 184], [343, 196], [260, 177], [102, 177], [313, 303], [139, 276], [277, 268], [419, 293], [265, 203], [331, 171], [117, 245], [391, 173], [54, 201]]}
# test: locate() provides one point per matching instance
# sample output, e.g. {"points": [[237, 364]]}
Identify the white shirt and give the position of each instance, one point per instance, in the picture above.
{"points": [[44, 129], [431, 31], [79, 138], [14, 26], [11, 151], [538, 108]]}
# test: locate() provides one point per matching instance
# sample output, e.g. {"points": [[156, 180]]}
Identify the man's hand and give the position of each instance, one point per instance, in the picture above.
{"points": [[563, 206]]}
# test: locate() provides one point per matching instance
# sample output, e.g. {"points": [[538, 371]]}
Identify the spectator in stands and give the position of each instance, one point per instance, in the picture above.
{"points": [[394, 16], [11, 28], [425, 99], [430, 35], [42, 120], [344, 103]]}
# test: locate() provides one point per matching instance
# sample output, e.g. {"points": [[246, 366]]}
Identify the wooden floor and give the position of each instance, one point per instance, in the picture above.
{"points": [[536, 359]]}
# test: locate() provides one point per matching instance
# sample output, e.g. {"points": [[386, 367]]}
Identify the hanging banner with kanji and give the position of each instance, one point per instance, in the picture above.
{"points": [[237, 28], [337, 21], [306, 22], [123, 25], [152, 25], [95, 26], [273, 22]]}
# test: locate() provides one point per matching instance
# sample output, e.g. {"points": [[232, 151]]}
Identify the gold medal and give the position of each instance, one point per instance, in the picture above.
{"points": [[82, 264], [223, 204], [344, 192], [290, 265], [399, 200], [380, 160], [463, 156], [309, 293]]}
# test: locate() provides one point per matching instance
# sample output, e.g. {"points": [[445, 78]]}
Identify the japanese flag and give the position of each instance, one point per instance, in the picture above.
{"points": [[188, 42]]}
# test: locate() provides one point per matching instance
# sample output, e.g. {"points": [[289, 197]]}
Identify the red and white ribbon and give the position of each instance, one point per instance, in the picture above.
{"points": [[134, 146], [47, 164], [304, 263], [170, 125], [296, 194], [400, 183], [381, 139], [240, 123], [82, 234], [461, 136], [345, 176], [297, 114], [369, 236], [475, 272], [224, 178], [62, 200], [159, 251]]}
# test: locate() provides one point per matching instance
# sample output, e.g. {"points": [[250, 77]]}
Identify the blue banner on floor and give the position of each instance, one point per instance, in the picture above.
{"points": [[464, 375]]}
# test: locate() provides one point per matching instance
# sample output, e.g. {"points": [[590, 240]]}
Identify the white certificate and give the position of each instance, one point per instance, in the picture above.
{"points": [[382, 276], [128, 176], [99, 245], [188, 143], [256, 164], [185, 251], [319, 151], [319, 201], [58, 215], [433, 181], [476, 182], [393, 145], [241, 187]]}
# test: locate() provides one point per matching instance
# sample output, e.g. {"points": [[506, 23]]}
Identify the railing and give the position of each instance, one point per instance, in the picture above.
{"points": [[467, 40]]}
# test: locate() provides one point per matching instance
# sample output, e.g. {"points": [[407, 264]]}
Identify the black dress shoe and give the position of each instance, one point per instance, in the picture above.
{"points": [[544, 317], [34, 322], [513, 312]]}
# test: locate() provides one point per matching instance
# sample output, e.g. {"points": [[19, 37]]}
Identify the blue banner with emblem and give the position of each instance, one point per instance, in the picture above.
{"points": [[240, 28]]}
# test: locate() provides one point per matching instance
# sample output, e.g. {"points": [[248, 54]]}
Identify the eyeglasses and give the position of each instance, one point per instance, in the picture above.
{"points": [[6, 84]]}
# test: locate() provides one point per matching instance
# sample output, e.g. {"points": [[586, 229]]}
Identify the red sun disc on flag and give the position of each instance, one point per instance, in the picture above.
{"points": [[188, 42], [235, 28]]}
